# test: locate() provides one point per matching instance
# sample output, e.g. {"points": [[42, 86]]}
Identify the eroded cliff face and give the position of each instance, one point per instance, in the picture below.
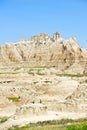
{"points": [[44, 50], [42, 77], [42, 47]]}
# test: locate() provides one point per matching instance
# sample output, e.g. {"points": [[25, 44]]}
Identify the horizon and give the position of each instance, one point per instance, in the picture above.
{"points": [[26, 18]]}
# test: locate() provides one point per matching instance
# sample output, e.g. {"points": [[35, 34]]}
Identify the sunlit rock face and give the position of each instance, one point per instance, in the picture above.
{"points": [[45, 50], [42, 78]]}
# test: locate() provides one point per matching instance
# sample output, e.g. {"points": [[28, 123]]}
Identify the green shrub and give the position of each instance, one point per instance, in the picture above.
{"points": [[47, 81], [3, 119], [40, 73], [14, 99], [35, 82]]}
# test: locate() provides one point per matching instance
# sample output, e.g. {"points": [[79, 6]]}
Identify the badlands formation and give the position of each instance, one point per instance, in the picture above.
{"points": [[42, 78]]}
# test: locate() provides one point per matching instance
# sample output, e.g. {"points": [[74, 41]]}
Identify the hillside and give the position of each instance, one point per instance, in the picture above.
{"points": [[46, 51], [42, 79]]}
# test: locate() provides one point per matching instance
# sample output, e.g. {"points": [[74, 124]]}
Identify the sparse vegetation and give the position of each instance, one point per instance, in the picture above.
{"points": [[14, 99], [40, 73], [72, 75], [35, 82], [47, 81], [3, 119], [41, 67], [38, 128], [63, 124], [8, 72]]}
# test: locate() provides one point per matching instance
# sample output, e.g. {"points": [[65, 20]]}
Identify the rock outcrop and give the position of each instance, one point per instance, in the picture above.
{"points": [[42, 78], [44, 50], [31, 109]]}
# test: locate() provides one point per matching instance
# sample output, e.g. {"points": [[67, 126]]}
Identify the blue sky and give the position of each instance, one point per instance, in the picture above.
{"points": [[25, 18]]}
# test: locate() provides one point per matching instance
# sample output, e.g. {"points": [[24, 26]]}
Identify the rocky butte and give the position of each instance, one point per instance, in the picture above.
{"points": [[42, 78], [44, 50]]}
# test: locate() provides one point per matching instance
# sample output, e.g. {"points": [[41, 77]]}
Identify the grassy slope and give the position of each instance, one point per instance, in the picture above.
{"points": [[63, 124]]}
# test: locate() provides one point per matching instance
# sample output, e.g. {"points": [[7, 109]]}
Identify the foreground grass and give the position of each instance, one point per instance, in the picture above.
{"points": [[63, 124], [82, 126], [38, 128]]}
